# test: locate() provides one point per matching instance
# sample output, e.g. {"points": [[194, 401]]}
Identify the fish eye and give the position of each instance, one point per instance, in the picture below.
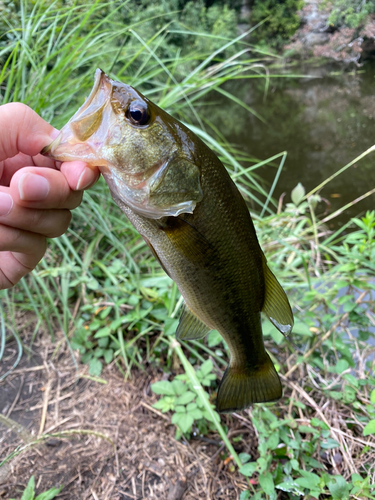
{"points": [[137, 113]]}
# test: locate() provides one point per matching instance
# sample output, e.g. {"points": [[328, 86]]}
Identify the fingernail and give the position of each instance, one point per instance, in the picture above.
{"points": [[33, 187], [54, 133], [6, 203], [85, 180]]}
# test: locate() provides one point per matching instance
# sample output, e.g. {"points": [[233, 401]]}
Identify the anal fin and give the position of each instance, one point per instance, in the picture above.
{"points": [[190, 326], [276, 304]]}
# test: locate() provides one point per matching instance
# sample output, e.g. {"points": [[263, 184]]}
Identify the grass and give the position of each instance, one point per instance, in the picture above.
{"points": [[100, 286]]}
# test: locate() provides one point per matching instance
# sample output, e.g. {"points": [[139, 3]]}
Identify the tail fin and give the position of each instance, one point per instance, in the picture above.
{"points": [[241, 387]]}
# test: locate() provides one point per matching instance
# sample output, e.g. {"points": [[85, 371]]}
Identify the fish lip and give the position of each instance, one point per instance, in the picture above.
{"points": [[101, 79]]}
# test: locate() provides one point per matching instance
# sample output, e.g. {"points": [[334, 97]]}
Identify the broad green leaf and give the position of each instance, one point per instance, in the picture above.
{"points": [[179, 387], [266, 483], [297, 194], [249, 468], [196, 414], [244, 457], [214, 338], [369, 428], [206, 368], [185, 398], [163, 387], [185, 422], [245, 495], [95, 367], [290, 486], [372, 397], [273, 440], [339, 488], [329, 444]]}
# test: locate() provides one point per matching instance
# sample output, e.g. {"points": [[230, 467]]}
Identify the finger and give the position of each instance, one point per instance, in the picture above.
{"points": [[22, 130], [50, 223], [20, 252], [78, 175], [10, 166], [43, 188]]}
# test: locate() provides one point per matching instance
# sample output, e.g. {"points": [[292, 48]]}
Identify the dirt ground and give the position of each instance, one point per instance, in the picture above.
{"points": [[102, 440]]}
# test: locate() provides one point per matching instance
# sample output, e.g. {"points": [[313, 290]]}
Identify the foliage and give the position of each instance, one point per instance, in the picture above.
{"points": [[351, 13], [280, 21], [181, 397], [29, 492]]}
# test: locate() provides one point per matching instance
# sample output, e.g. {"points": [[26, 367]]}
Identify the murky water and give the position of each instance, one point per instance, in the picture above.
{"points": [[322, 122]]}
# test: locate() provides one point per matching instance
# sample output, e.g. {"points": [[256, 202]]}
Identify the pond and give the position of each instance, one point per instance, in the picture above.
{"points": [[323, 122]]}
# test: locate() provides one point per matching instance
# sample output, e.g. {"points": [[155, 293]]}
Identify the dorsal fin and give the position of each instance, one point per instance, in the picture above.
{"points": [[190, 326], [276, 305]]}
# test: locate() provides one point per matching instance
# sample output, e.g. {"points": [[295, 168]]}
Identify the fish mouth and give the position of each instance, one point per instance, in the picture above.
{"points": [[76, 140]]}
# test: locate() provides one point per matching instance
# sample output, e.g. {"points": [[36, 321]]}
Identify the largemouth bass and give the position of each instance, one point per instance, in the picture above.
{"points": [[180, 198]]}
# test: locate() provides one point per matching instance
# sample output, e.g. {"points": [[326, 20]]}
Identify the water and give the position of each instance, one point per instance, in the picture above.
{"points": [[323, 123]]}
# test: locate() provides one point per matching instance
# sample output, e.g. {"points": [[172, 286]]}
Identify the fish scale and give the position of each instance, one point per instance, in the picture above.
{"points": [[194, 220]]}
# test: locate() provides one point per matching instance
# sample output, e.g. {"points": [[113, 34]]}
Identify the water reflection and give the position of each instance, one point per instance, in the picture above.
{"points": [[323, 123]]}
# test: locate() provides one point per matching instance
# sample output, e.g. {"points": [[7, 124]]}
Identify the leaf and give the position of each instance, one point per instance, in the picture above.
{"points": [[186, 398], [249, 469], [329, 444], [185, 422], [103, 332], [170, 326], [95, 367], [245, 495], [196, 414], [297, 194], [290, 486], [369, 428], [309, 480], [244, 457], [273, 440], [207, 367], [28, 493], [48, 495], [108, 355], [163, 387], [214, 338], [372, 397], [339, 488], [266, 483], [179, 387]]}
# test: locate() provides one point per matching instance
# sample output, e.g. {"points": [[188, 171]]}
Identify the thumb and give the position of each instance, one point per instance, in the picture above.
{"points": [[22, 130]]}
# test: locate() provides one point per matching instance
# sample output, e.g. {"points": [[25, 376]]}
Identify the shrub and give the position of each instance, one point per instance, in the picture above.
{"points": [[280, 20]]}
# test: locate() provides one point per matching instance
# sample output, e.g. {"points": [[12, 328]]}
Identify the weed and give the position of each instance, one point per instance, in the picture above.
{"points": [[29, 492]]}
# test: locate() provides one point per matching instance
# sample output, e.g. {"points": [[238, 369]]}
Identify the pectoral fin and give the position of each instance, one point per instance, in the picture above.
{"points": [[276, 305], [190, 326], [188, 240], [154, 253]]}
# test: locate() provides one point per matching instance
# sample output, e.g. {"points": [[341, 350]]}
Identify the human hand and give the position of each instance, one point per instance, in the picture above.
{"points": [[35, 197]]}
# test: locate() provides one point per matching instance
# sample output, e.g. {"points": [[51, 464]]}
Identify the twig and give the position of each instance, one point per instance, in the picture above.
{"points": [[45, 407]]}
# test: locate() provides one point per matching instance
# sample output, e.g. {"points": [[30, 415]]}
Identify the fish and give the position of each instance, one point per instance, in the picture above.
{"points": [[183, 202]]}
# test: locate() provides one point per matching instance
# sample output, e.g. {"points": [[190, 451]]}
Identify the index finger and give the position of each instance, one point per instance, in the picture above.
{"points": [[22, 130]]}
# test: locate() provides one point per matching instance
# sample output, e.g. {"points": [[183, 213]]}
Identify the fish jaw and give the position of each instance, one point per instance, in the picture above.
{"points": [[82, 137]]}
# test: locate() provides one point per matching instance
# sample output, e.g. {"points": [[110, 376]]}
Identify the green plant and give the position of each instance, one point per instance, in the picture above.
{"points": [[29, 492], [351, 13], [279, 21], [181, 397]]}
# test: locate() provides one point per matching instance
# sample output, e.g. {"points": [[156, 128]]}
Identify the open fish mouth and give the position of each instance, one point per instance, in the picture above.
{"points": [[79, 138]]}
